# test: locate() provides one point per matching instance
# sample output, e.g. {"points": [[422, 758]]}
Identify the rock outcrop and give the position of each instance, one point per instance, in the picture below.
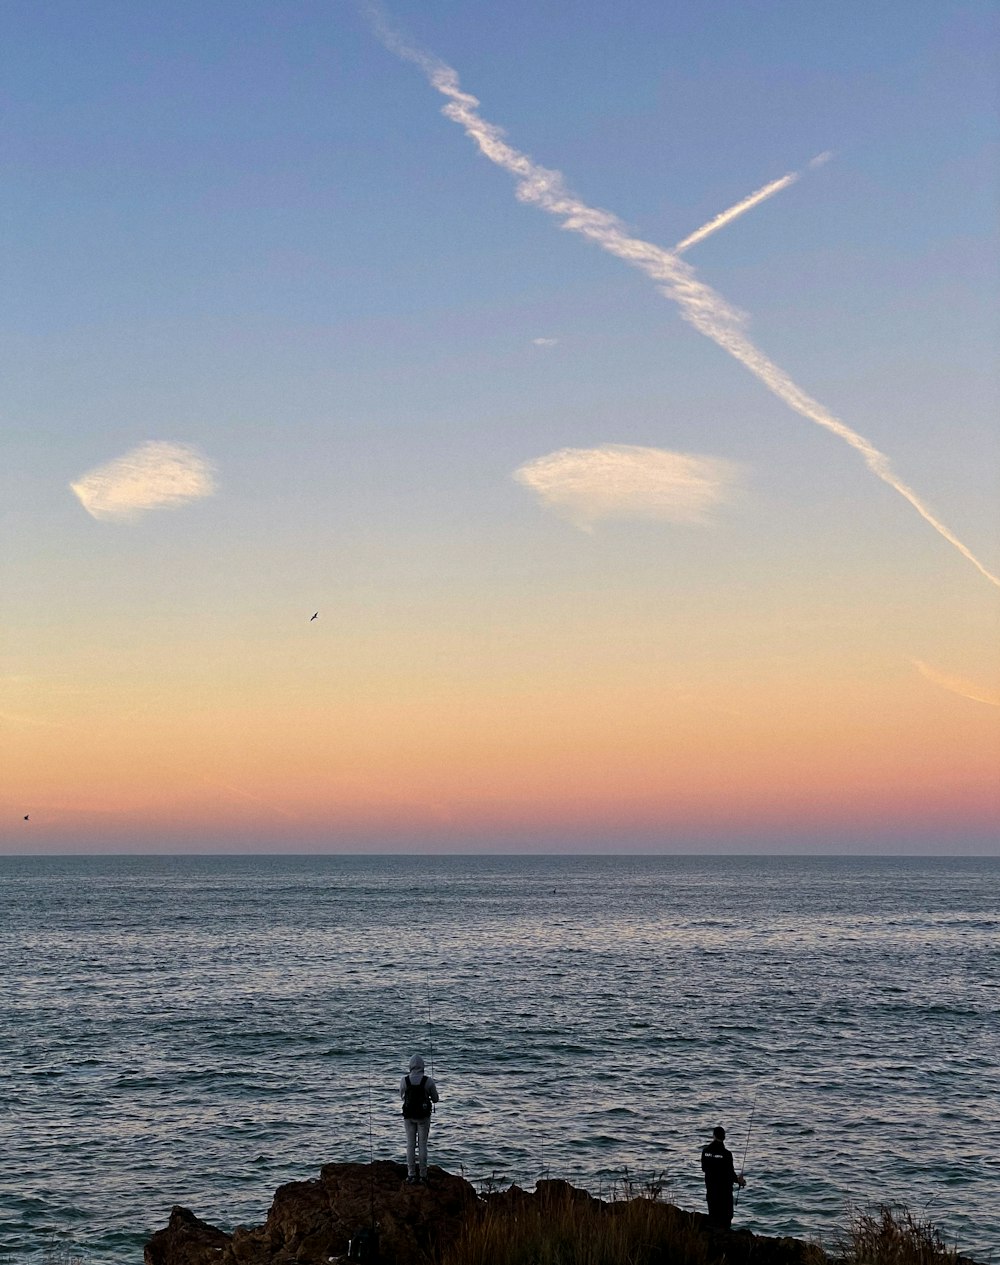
{"points": [[311, 1222], [315, 1222]]}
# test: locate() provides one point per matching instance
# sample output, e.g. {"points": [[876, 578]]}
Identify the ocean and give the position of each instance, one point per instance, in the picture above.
{"points": [[199, 1030]]}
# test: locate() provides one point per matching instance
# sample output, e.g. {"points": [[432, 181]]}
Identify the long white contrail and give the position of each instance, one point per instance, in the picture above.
{"points": [[699, 304]]}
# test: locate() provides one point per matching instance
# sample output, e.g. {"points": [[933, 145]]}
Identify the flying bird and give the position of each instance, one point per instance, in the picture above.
{"points": [[312, 617], [25, 816]]}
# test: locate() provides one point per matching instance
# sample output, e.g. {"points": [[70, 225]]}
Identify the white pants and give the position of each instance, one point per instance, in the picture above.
{"points": [[416, 1131]]}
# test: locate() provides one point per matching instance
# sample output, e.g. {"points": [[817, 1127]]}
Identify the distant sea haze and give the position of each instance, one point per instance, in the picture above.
{"points": [[199, 1030]]}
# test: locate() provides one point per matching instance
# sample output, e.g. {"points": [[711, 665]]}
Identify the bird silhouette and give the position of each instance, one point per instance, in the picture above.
{"points": [[312, 617], [25, 816]]}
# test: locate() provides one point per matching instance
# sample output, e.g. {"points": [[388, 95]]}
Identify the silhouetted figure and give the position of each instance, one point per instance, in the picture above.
{"points": [[720, 1178], [418, 1093], [312, 617]]}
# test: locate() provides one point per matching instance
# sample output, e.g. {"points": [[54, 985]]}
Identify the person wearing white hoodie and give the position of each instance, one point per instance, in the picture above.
{"points": [[419, 1093]]}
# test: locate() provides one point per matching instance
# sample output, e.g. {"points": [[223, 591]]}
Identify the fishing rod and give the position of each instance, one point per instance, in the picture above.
{"points": [[363, 1246], [371, 1144], [430, 1032], [746, 1148], [371, 1251], [371, 1149]]}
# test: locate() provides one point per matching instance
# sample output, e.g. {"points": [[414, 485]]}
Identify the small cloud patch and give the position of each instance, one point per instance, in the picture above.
{"points": [[155, 475], [544, 342], [622, 481]]}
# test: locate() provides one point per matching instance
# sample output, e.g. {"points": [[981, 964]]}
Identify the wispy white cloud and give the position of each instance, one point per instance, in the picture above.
{"points": [[700, 305], [545, 342], [155, 475], [958, 685], [627, 482]]}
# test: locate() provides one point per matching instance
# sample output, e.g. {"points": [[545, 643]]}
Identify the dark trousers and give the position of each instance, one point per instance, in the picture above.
{"points": [[720, 1205]]}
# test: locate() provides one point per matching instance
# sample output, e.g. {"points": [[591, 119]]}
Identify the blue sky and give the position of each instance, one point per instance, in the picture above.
{"points": [[247, 229]]}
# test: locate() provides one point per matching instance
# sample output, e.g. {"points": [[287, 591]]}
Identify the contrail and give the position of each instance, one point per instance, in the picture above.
{"points": [[734, 212], [253, 799], [958, 685], [762, 195], [699, 304]]}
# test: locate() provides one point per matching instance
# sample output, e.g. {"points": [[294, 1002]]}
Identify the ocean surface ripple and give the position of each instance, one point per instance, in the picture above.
{"points": [[199, 1030]]}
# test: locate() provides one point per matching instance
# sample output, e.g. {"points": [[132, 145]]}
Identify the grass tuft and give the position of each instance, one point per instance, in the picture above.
{"points": [[893, 1235]]}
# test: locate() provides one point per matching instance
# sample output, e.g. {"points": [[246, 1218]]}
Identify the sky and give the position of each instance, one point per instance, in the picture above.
{"points": [[620, 536]]}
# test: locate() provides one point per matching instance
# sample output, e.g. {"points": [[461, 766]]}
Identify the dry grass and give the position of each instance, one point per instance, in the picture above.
{"points": [[891, 1235], [566, 1231]]}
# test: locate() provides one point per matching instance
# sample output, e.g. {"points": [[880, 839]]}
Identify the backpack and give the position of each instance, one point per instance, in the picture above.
{"points": [[416, 1103]]}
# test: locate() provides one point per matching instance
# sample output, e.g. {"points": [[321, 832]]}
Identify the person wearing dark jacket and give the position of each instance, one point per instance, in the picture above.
{"points": [[720, 1178]]}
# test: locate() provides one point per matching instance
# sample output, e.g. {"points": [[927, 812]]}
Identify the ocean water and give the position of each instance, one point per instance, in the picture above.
{"points": [[200, 1030]]}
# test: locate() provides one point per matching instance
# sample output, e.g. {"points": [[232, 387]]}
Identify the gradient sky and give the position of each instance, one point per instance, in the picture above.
{"points": [[278, 338]]}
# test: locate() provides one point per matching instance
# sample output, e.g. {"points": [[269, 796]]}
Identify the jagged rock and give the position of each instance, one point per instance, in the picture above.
{"points": [[556, 1191], [185, 1241], [313, 1222]]}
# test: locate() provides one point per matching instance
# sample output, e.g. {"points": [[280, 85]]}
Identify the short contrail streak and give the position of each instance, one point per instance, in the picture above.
{"points": [[700, 305], [254, 799], [958, 685], [734, 212], [748, 203]]}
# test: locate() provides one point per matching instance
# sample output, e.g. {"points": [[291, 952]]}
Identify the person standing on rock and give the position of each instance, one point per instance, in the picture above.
{"points": [[418, 1093], [720, 1178]]}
